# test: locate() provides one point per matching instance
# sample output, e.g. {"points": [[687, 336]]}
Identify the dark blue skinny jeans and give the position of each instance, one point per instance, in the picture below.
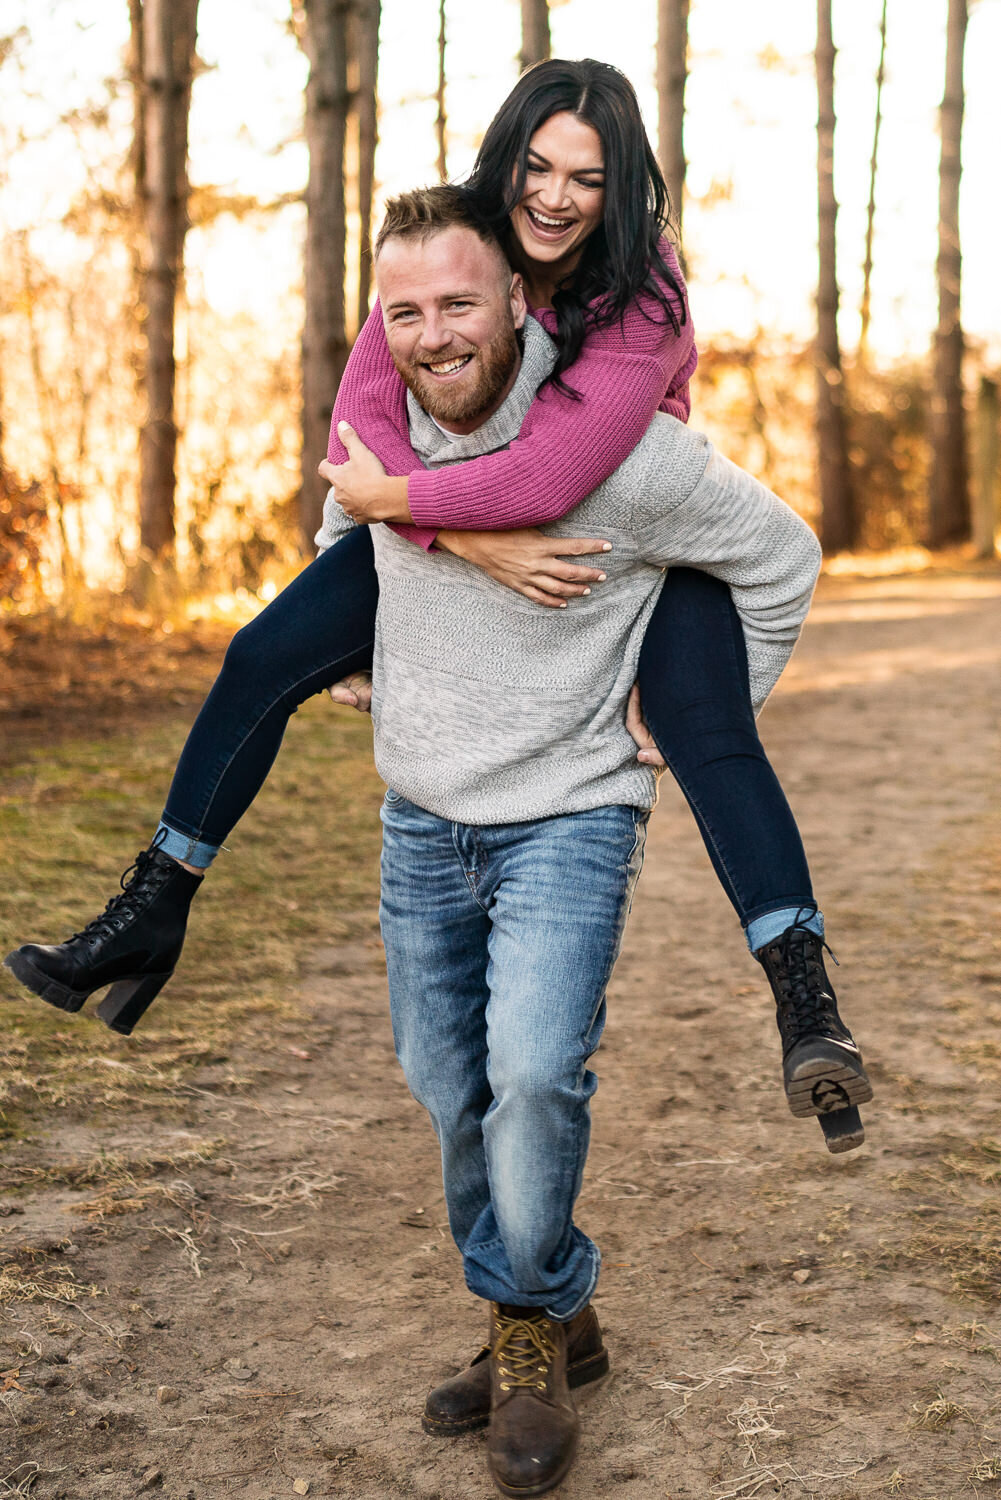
{"points": [[693, 683]]}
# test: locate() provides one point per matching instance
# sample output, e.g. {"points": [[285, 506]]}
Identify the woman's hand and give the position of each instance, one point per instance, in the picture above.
{"points": [[354, 691], [363, 488], [530, 562], [637, 726]]}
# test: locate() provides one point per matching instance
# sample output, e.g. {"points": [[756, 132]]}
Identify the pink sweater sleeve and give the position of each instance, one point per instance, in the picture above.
{"points": [[624, 373]]}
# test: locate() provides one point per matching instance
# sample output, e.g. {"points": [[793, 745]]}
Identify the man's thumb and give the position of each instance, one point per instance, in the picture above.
{"points": [[346, 434]]}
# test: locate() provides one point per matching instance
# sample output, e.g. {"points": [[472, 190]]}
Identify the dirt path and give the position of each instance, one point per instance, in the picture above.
{"points": [[777, 1318]]}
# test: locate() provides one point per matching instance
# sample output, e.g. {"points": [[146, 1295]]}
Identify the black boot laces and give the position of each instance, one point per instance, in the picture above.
{"points": [[524, 1351], [140, 881], [806, 1004]]}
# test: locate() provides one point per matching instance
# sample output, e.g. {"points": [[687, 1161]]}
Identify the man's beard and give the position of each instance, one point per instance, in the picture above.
{"points": [[471, 397]]}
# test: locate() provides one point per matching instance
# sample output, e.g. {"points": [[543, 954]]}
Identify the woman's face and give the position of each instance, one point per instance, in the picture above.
{"points": [[564, 196]]}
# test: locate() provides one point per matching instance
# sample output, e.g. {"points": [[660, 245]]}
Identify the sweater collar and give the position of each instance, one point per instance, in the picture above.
{"points": [[433, 447]]}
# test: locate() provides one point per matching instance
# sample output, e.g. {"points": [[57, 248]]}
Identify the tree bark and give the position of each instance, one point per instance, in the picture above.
{"points": [[672, 75], [838, 524], [949, 499], [441, 119], [536, 44], [366, 46], [164, 49], [324, 335], [986, 516], [871, 211]]}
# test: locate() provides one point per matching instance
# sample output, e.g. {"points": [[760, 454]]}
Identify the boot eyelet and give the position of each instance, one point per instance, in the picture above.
{"points": [[505, 1387], [541, 1384]]}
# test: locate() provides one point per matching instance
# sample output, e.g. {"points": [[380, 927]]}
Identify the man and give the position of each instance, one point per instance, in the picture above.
{"points": [[515, 819]]}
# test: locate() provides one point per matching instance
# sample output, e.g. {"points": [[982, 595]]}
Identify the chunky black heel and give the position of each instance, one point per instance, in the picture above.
{"points": [[128, 1000], [133, 945], [843, 1129]]}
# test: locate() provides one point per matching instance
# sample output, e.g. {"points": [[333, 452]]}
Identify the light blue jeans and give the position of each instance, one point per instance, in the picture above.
{"points": [[500, 941]]}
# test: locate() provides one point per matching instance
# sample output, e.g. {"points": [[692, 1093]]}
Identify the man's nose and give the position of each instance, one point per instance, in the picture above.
{"points": [[435, 335]]}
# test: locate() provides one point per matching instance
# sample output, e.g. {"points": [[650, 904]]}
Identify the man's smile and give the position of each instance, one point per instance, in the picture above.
{"points": [[443, 368]]}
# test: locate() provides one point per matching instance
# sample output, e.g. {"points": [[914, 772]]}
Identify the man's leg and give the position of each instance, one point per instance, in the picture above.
{"points": [[559, 892], [435, 931]]}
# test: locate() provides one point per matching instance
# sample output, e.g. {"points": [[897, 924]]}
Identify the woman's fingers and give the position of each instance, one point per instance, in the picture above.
{"points": [[540, 597], [578, 546]]}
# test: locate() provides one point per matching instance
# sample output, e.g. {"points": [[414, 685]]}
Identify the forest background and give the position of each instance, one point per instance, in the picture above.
{"points": [[184, 216]]}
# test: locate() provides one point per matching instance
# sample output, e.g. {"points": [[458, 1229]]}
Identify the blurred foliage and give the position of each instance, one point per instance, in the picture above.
{"points": [[23, 521]]}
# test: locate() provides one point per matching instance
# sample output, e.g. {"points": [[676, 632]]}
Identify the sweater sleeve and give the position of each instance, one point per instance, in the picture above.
{"points": [[373, 400], [566, 448], [730, 525]]}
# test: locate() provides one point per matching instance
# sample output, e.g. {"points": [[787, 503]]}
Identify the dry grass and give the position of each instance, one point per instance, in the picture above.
{"points": [[19, 1284], [75, 815]]}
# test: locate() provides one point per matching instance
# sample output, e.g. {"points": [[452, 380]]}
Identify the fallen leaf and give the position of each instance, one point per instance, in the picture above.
{"points": [[301, 1486]]}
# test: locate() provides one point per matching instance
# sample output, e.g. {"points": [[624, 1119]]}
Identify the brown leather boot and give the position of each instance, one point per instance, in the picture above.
{"points": [[462, 1404], [533, 1422]]}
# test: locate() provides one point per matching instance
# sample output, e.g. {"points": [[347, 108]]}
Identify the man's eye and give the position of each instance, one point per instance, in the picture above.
{"points": [[458, 304]]}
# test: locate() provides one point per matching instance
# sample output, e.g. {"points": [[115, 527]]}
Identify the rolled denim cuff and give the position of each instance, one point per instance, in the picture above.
{"points": [[765, 929], [182, 846]]}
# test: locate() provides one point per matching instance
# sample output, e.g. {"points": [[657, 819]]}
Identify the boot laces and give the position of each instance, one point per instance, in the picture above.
{"points": [[807, 1004], [524, 1351], [136, 884]]}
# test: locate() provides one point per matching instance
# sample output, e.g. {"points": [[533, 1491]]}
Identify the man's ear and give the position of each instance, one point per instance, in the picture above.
{"points": [[519, 309]]}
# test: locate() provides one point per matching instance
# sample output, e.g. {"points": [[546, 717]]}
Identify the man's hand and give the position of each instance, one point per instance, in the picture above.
{"points": [[354, 691], [636, 724], [530, 562], [363, 488]]}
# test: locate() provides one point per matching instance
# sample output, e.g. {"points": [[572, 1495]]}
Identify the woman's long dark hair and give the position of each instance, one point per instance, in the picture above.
{"points": [[621, 259]]}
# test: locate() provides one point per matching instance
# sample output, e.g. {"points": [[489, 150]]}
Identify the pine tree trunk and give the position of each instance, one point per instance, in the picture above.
{"points": [[165, 51], [870, 219], [324, 335], [837, 507], [441, 119], [672, 75], [367, 51], [949, 499], [535, 40]]}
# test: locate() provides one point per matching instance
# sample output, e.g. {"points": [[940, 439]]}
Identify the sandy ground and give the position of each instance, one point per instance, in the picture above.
{"points": [[777, 1318]]}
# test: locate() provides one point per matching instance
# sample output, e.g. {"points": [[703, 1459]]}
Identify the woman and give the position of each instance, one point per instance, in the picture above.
{"points": [[566, 175]]}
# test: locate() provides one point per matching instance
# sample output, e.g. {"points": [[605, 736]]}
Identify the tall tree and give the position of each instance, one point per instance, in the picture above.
{"points": [[871, 211], [441, 119], [535, 39], [672, 75], [366, 49], [838, 524], [162, 62], [324, 39], [949, 499]]}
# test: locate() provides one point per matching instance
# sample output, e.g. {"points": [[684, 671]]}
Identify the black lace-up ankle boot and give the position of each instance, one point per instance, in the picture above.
{"points": [[821, 1064], [133, 945]]}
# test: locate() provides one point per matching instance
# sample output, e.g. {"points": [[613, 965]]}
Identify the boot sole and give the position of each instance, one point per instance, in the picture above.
{"points": [[821, 1088], [121, 1008], [582, 1373], [59, 995]]}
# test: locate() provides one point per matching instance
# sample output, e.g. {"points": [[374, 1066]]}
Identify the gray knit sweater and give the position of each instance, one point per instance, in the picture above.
{"points": [[488, 708]]}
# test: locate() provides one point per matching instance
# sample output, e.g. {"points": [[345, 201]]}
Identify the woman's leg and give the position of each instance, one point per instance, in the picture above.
{"points": [[319, 629], [697, 703]]}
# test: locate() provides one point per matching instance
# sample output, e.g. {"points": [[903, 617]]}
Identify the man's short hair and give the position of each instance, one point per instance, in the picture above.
{"points": [[428, 211]]}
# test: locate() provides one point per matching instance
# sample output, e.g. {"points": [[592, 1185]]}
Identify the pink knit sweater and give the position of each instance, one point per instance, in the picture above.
{"points": [[624, 373]]}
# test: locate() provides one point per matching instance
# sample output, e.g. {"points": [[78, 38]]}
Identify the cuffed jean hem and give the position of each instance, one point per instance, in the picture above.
{"points": [[495, 1289], [764, 929], [182, 846]]}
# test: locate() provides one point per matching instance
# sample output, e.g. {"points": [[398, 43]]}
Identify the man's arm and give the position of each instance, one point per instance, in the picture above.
{"points": [[733, 527]]}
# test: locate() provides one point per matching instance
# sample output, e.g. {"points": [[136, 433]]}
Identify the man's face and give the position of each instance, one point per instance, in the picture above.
{"points": [[451, 307]]}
